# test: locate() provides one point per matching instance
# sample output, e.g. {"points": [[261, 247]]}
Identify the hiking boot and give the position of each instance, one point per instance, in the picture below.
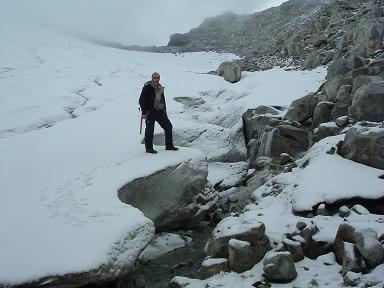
{"points": [[173, 148], [151, 150]]}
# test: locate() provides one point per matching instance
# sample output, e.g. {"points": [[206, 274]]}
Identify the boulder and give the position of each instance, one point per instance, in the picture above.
{"points": [[342, 121], [242, 256], [241, 228], [364, 143], [283, 139], [369, 246], [322, 113], [327, 130], [279, 266], [294, 248], [352, 260], [368, 102], [166, 196], [302, 109], [212, 266], [345, 233], [231, 71]]}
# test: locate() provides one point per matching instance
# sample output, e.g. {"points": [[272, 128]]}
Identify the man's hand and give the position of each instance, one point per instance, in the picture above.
{"points": [[144, 116]]}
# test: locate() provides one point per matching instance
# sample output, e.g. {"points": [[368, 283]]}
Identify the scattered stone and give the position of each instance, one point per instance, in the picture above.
{"points": [[212, 266], [369, 246], [301, 225], [279, 266], [344, 211], [294, 248]]}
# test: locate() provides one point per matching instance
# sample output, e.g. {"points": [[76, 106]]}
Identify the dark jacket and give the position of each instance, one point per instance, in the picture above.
{"points": [[147, 98]]}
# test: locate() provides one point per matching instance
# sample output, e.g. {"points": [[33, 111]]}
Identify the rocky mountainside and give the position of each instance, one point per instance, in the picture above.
{"points": [[301, 33]]}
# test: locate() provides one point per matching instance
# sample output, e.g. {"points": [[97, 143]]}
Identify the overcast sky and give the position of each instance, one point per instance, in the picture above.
{"points": [[145, 22]]}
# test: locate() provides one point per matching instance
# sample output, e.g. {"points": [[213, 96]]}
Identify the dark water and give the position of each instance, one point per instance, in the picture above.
{"points": [[184, 261]]}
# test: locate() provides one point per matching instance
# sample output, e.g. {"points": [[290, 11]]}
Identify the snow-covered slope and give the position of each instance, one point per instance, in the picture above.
{"points": [[69, 140]]}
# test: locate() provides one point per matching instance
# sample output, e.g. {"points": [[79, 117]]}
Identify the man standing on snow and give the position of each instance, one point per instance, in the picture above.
{"points": [[152, 103]]}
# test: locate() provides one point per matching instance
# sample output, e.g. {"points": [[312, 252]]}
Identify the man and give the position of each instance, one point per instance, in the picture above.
{"points": [[152, 103]]}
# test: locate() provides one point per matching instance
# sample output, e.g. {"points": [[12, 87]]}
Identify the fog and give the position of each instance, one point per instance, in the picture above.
{"points": [[126, 21]]}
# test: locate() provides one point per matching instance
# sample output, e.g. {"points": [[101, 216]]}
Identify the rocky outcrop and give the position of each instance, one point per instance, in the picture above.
{"points": [[166, 197], [302, 109], [364, 143], [301, 33]]}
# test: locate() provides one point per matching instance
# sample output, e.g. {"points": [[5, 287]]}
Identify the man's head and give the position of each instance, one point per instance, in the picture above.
{"points": [[155, 78]]}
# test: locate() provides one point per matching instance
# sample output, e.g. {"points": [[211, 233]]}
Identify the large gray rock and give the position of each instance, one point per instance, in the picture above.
{"points": [[302, 109], [240, 228], [166, 196], [242, 256], [338, 67], [279, 266], [364, 143], [326, 130], [368, 102], [231, 71], [322, 113], [369, 246]]}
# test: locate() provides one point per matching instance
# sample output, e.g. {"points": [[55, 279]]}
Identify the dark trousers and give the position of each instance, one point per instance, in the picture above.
{"points": [[161, 118]]}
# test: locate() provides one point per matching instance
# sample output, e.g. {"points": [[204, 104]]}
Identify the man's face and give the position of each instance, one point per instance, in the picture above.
{"points": [[156, 79]]}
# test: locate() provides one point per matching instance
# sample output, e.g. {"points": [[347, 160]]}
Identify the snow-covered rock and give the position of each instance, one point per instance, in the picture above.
{"points": [[166, 195], [245, 228], [212, 266], [242, 256]]}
